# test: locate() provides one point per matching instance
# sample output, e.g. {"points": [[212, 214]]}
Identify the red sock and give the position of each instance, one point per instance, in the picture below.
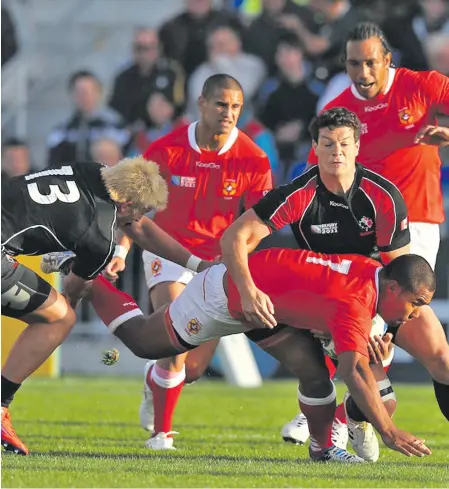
{"points": [[320, 416], [330, 366], [340, 413], [113, 306], [166, 387]]}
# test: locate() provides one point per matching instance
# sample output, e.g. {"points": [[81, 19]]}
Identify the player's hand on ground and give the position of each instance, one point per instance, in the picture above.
{"points": [[379, 348], [113, 268], [258, 309], [406, 443], [434, 135]]}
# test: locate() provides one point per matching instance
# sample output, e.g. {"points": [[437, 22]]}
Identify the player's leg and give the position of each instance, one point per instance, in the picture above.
{"points": [[146, 336], [424, 338], [302, 354], [28, 297], [164, 379]]}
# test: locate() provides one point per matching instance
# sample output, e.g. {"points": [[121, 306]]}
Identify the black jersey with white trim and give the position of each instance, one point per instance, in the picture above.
{"points": [[61, 208], [371, 216]]}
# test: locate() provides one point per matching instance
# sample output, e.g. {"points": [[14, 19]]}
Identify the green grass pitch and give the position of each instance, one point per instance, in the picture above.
{"points": [[84, 432]]}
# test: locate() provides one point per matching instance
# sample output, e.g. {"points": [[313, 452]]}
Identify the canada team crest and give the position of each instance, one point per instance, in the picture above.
{"points": [[156, 267], [229, 187], [366, 223], [406, 117], [193, 326]]}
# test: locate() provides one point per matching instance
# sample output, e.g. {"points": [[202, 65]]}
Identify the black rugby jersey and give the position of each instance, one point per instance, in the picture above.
{"points": [[371, 216], [57, 209]]}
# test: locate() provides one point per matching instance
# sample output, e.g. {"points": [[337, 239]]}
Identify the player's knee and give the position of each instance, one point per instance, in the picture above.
{"points": [[317, 388], [193, 372]]}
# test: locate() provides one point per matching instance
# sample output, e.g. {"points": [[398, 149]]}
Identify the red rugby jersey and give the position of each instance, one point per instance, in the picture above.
{"points": [[390, 122], [331, 293], [207, 189]]}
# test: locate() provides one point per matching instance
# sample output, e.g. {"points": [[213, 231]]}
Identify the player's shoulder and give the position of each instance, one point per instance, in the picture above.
{"points": [[308, 179], [344, 99], [176, 139], [246, 147], [418, 78], [378, 180]]}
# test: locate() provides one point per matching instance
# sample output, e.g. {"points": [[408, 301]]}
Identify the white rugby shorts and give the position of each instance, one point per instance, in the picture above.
{"points": [[201, 313], [158, 270], [425, 240]]}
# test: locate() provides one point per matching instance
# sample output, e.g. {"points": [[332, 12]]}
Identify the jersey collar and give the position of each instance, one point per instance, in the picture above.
{"points": [[391, 75], [227, 146]]}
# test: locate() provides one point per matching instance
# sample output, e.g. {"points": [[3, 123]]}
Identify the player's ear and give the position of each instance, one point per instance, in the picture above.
{"points": [[388, 58], [393, 288], [201, 102], [314, 145], [357, 145]]}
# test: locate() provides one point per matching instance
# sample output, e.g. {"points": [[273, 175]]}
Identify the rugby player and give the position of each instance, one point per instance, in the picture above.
{"points": [[398, 109], [214, 172], [337, 294], [73, 207]]}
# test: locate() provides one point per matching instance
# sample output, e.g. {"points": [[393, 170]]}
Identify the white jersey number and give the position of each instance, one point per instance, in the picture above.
{"points": [[342, 267], [55, 194]]}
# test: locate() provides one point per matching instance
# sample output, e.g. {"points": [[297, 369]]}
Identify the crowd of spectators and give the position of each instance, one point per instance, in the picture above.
{"points": [[287, 58]]}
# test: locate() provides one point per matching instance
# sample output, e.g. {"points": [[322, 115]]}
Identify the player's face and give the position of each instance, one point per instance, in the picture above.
{"points": [[367, 66], [336, 151], [397, 305], [220, 112]]}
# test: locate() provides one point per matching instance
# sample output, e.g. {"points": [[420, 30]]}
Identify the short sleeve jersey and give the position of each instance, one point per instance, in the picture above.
{"points": [[371, 217], [58, 209], [208, 190], [390, 122], [336, 294]]}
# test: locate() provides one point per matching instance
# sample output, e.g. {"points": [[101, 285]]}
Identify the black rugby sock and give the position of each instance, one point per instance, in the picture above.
{"points": [[8, 390], [353, 410], [442, 395]]}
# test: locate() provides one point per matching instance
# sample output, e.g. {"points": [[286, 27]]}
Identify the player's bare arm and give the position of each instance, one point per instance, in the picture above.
{"points": [[356, 373], [240, 239], [434, 135], [75, 288], [149, 236]]}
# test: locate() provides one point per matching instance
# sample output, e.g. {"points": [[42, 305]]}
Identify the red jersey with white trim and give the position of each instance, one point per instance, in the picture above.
{"points": [[390, 122], [208, 190], [336, 294]]}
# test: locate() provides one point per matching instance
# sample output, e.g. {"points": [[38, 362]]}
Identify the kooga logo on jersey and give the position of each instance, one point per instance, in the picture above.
{"points": [[214, 166], [376, 107]]}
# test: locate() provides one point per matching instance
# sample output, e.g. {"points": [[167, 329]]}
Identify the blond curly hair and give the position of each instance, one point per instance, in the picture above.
{"points": [[136, 180]]}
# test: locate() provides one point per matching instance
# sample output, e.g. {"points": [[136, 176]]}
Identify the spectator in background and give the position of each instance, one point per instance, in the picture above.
{"points": [[437, 51], [106, 151], [434, 18], [225, 55], [149, 72], [15, 158], [9, 40], [325, 47], [160, 119], [264, 32], [71, 140], [292, 105], [184, 37]]}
